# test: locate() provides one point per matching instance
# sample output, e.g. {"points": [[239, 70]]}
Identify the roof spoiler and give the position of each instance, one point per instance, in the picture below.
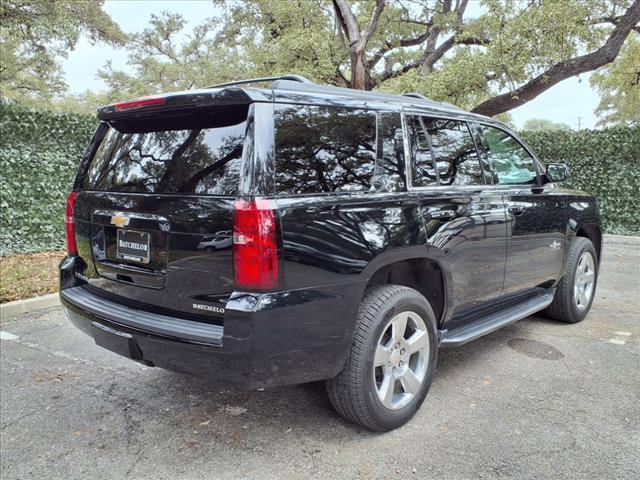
{"points": [[191, 99]]}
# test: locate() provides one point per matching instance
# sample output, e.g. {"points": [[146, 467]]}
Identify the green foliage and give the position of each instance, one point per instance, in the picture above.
{"points": [[165, 56], [35, 34], [39, 155], [605, 163], [619, 86], [40, 152], [539, 124], [459, 56]]}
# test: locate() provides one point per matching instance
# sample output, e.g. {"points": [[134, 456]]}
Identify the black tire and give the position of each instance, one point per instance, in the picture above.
{"points": [[353, 392], [564, 307]]}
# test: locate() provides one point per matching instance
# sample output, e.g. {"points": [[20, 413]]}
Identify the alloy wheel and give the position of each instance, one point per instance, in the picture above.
{"points": [[584, 281], [401, 360]]}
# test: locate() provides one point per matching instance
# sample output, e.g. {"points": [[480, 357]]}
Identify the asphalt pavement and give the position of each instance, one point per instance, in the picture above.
{"points": [[535, 400]]}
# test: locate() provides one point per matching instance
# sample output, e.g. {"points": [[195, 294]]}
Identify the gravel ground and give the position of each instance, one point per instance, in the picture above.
{"points": [[537, 399]]}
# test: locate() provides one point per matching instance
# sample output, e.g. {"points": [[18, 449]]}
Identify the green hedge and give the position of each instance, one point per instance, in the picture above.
{"points": [[605, 163], [40, 151], [39, 155]]}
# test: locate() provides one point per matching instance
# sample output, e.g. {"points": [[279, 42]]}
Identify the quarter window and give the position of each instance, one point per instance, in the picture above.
{"points": [[324, 149], [513, 164]]}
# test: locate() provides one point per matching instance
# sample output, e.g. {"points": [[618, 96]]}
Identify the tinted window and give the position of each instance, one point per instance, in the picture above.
{"points": [[422, 170], [389, 174], [512, 162], [324, 149], [490, 177], [454, 151], [200, 160]]}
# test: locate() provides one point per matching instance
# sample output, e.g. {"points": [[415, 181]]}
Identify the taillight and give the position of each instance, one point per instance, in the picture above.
{"points": [[140, 102], [72, 247], [255, 245]]}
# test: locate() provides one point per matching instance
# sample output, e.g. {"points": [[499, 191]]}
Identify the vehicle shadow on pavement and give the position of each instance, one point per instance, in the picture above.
{"points": [[303, 409]]}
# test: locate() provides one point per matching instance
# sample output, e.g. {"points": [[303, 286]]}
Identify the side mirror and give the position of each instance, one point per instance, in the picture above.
{"points": [[558, 172]]}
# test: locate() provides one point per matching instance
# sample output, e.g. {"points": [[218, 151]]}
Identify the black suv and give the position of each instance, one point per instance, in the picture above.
{"points": [[294, 233]]}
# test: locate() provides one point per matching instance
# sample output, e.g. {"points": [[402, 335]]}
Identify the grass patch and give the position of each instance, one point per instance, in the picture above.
{"points": [[28, 275]]}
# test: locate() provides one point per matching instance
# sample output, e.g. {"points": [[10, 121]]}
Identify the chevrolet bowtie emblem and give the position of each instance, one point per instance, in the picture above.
{"points": [[119, 221]]}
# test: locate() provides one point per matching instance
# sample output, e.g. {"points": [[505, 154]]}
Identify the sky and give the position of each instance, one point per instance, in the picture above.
{"points": [[571, 101]]}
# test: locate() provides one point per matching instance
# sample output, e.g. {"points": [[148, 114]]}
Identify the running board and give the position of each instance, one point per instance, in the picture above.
{"points": [[476, 329]]}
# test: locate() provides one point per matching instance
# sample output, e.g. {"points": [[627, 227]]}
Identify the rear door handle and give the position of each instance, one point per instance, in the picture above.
{"points": [[442, 214], [517, 209]]}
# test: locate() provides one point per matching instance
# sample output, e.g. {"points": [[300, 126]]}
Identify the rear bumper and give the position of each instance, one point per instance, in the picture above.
{"points": [[266, 339]]}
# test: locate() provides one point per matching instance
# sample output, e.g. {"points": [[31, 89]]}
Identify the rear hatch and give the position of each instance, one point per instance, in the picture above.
{"points": [[154, 211]]}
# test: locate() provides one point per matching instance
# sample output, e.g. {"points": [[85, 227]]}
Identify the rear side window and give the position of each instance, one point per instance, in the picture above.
{"points": [[324, 149], [513, 164], [203, 159], [455, 152]]}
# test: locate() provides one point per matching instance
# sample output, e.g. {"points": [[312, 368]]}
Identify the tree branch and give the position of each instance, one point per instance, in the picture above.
{"points": [[403, 42], [432, 39], [388, 74], [613, 21], [373, 24], [565, 69], [347, 20]]}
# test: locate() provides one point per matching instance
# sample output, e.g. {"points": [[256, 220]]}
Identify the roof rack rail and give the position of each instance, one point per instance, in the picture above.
{"points": [[422, 97], [294, 78], [416, 95]]}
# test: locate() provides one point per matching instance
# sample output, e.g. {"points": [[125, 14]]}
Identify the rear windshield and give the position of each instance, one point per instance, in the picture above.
{"points": [[204, 158]]}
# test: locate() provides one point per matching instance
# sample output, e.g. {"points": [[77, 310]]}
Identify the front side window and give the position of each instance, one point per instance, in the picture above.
{"points": [[454, 151], [324, 149], [513, 164]]}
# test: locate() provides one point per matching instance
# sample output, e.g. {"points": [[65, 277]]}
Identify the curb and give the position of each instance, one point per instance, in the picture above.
{"points": [[621, 239], [30, 305]]}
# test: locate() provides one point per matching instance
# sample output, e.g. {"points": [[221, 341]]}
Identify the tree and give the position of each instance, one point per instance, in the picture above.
{"points": [[159, 62], [489, 57], [36, 33], [619, 86], [540, 125]]}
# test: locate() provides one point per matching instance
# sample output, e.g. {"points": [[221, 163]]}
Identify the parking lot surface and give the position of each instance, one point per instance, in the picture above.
{"points": [[537, 399]]}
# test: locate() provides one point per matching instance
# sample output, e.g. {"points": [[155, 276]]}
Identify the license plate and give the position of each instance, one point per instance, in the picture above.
{"points": [[134, 246]]}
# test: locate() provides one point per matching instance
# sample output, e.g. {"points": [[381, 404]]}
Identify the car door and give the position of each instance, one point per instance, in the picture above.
{"points": [[463, 217], [536, 236]]}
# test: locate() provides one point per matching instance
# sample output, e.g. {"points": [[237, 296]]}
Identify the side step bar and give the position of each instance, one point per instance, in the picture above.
{"points": [[466, 333]]}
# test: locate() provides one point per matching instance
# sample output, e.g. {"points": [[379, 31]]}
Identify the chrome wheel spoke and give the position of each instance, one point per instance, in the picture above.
{"points": [[382, 356], [410, 382], [418, 341], [399, 326], [583, 299], [386, 390]]}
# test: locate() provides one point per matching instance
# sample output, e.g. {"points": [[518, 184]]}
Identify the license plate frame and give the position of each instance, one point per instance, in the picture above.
{"points": [[130, 253]]}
